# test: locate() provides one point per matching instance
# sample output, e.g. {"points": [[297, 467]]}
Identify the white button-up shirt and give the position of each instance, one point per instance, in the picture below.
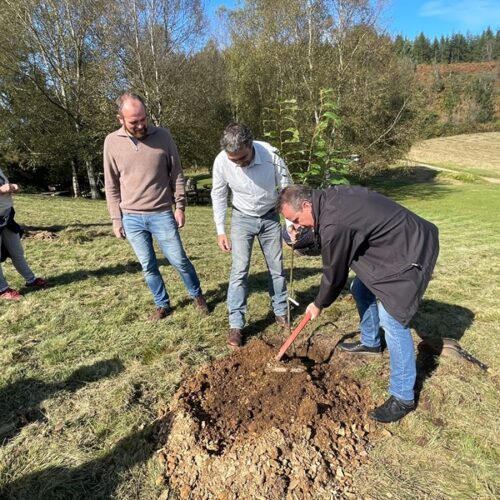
{"points": [[254, 188]]}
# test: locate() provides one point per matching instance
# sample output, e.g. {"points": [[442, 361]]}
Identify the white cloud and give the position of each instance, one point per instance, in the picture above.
{"points": [[468, 14]]}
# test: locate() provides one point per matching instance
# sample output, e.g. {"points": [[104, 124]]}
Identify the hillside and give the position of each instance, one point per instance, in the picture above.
{"points": [[476, 154], [460, 98]]}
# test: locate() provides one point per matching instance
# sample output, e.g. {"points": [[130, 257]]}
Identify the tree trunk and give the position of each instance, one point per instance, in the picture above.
{"points": [[74, 177], [94, 190]]}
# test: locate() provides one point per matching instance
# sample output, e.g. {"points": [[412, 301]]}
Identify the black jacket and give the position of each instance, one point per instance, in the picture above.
{"points": [[9, 223], [392, 250]]}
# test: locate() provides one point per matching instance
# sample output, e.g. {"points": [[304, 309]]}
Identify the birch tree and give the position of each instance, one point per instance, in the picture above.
{"points": [[292, 49], [153, 40], [55, 44]]}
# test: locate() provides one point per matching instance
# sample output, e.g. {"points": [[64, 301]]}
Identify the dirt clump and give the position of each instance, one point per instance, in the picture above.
{"points": [[239, 430], [41, 235]]}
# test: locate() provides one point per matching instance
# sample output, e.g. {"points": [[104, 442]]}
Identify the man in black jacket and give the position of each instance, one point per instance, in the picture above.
{"points": [[392, 251]]}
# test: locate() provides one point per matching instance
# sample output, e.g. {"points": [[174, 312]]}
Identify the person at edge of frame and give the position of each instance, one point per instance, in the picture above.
{"points": [[10, 243]]}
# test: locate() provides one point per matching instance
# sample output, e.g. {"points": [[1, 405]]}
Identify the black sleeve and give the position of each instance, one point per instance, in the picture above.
{"points": [[335, 252]]}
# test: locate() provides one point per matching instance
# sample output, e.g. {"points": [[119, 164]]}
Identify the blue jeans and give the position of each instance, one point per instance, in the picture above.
{"points": [[398, 337], [12, 243], [244, 229], [140, 230]]}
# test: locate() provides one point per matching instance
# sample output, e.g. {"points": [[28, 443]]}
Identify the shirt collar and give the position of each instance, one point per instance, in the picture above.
{"points": [[256, 157], [151, 131]]}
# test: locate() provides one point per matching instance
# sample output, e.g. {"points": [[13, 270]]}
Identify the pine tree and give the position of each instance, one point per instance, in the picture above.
{"points": [[436, 52], [459, 50], [487, 45], [496, 48], [444, 48], [422, 50]]}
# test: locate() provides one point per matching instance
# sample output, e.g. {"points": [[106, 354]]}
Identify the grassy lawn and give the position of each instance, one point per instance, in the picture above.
{"points": [[477, 154], [84, 375], [201, 176]]}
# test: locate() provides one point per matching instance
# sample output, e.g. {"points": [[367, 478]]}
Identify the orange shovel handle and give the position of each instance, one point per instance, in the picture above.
{"points": [[293, 336]]}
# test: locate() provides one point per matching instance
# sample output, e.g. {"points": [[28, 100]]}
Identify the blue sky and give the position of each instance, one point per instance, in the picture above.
{"points": [[442, 17], [433, 17]]}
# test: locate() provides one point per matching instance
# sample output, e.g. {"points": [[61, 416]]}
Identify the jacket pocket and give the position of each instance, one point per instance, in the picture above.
{"points": [[403, 269]]}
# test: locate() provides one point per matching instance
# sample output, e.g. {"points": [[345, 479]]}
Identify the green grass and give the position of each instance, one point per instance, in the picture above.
{"points": [[201, 176], [84, 375]]}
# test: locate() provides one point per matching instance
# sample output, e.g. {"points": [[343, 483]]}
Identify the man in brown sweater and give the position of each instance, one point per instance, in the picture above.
{"points": [[144, 179]]}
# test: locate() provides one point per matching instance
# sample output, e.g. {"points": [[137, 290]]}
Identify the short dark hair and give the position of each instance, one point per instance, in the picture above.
{"points": [[294, 196], [127, 96], [235, 137]]}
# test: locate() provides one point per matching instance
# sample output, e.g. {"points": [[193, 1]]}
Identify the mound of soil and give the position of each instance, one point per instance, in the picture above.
{"points": [[240, 430]]}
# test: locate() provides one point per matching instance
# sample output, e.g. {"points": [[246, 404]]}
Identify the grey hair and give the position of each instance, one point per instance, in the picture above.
{"points": [[120, 102], [294, 196], [235, 137]]}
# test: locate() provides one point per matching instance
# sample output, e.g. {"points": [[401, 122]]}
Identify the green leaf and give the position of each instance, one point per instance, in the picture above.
{"points": [[341, 180], [319, 154], [331, 115], [322, 125]]}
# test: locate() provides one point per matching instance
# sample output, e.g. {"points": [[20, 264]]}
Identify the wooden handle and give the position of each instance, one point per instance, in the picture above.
{"points": [[293, 336]]}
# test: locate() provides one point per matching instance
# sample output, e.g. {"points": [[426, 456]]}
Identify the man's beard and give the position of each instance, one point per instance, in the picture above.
{"points": [[138, 134]]}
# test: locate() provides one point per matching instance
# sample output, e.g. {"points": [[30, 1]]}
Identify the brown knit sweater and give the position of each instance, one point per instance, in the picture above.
{"points": [[142, 175]]}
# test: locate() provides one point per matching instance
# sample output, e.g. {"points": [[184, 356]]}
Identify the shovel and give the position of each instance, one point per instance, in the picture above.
{"points": [[293, 336]]}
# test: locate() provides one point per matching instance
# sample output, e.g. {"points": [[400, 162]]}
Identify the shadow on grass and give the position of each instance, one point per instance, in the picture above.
{"points": [[56, 228], [97, 478], [19, 402], [304, 298], [406, 182], [434, 322], [258, 283], [83, 274]]}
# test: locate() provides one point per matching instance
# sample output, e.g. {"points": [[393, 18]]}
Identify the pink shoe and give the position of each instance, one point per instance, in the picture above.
{"points": [[10, 294], [37, 283]]}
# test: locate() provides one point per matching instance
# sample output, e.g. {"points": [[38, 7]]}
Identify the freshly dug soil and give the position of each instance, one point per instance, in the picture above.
{"points": [[240, 430]]}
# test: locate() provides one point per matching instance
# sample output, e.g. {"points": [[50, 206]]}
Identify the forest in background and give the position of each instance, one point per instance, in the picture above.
{"points": [[269, 64], [456, 48]]}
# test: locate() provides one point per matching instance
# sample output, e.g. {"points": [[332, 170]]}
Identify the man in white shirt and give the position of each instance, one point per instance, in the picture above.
{"points": [[255, 174]]}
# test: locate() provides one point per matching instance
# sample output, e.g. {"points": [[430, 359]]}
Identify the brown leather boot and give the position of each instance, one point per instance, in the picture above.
{"points": [[282, 321], [160, 313], [235, 338], [200, 304]]}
